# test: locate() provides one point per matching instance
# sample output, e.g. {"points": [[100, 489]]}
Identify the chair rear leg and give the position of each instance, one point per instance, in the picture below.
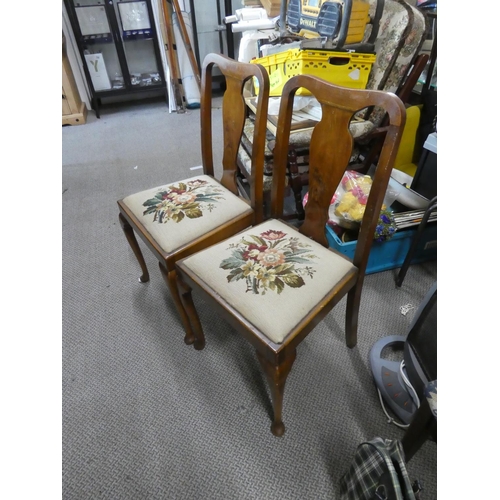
{"points": [[129, 233], [189, 307], [352, 315], [276, 374], [171, 281]]}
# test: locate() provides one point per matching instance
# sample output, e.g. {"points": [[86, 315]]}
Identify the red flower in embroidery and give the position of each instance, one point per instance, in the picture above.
{"points": [[273, 235], [173, 193]]}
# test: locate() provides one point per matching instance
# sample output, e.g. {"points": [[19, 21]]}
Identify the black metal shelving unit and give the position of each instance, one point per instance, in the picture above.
{"points": [[118, 44]]}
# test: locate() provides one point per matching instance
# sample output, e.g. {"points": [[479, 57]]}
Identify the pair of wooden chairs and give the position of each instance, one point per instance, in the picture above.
{"points": [[272, 282]]}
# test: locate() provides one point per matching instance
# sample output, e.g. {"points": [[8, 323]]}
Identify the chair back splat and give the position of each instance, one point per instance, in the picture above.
{"points": [[234, 112], [184, 216], [330, 150], [274, 283]]}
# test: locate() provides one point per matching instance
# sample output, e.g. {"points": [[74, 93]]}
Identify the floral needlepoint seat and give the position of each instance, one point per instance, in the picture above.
{"points": [[178, 213], [272, 274]]}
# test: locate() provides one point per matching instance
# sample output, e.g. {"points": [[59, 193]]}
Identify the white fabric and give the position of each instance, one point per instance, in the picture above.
{"points": [[274, 281], [188, 209]]}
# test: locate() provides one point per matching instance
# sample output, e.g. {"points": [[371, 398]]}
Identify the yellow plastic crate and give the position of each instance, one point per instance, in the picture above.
{"points": [[347, 69]]}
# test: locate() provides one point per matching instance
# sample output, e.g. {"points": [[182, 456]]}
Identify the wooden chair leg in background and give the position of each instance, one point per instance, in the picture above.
{"points": [[170, 278], [415, 240], [132, 241], [352, 315], [295, 183], [276, 374]]}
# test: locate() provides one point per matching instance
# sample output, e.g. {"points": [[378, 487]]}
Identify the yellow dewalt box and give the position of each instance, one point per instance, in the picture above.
{"points": [[313, 18], [347, 69]]}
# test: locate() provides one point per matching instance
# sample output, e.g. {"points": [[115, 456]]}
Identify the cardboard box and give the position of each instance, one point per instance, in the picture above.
{"points": [[97, 70], [272, 7]]}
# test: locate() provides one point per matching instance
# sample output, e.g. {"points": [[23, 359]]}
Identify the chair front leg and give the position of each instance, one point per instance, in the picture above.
{"points": [[276, 374], [132, 240], [170, 278], [190, 308]]}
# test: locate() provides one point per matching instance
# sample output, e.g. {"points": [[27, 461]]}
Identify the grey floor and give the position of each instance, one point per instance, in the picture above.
{"points": [[145, 416]]}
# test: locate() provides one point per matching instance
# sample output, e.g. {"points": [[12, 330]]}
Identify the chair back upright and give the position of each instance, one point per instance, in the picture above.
{"points": [[330, 150], [234, 112]]}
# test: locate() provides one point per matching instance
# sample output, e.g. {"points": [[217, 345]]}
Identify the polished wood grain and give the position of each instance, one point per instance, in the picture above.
{"points": [[233, 115], [330, 150]]}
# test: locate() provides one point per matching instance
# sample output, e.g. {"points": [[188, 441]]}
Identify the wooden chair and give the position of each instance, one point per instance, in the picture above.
{"points": [[181, 217], [274, 283]]}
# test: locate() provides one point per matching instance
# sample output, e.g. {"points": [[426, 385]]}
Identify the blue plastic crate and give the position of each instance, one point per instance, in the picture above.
{"points": [[391, 254]]}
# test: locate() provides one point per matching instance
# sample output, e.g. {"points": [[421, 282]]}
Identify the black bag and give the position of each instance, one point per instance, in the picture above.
{"points": [[378, 472]]}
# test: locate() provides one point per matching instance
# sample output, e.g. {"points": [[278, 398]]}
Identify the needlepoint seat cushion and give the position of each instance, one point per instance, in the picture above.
{"points": [[178, 213], [271, 274]]}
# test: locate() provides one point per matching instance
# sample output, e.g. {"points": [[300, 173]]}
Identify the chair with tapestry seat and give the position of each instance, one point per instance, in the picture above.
{"points": [[183, 216], [273, 282]]}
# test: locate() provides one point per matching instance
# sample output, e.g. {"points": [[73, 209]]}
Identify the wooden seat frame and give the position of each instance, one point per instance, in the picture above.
{"points": [[331, 147], [234, 112]]}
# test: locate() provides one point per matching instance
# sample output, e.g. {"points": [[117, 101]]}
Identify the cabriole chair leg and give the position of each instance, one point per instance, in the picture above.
{"points": [[276, 375], [189, 307], [171, 281], [132, 241]]}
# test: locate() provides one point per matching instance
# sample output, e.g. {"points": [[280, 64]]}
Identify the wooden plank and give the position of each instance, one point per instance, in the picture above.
{"points": [[173, 61], [79, 118], [74, 111], [187, 42]]}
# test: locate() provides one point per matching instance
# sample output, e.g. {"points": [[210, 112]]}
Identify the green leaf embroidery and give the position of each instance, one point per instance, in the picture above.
{"points": [[194, 213], [200, 198], [260, 241], [283, 269], [293, 280], [149, 210], [189, 206], [178, 217], [151, 202], [280, 286], [232, 263], [235, 275], [246, 242], [298, 251], [297, 260]]}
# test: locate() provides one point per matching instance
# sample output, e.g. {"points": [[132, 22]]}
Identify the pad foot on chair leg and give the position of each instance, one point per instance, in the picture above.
{"points": [[199, 345], [278, 428]]}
